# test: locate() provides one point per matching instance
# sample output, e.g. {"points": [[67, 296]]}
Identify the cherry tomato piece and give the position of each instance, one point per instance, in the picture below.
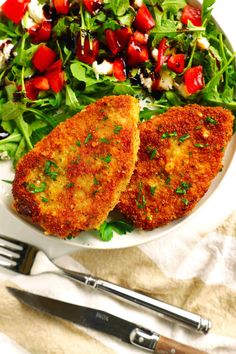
{"points": [[123, 36], [112, 41], [30, 90], [161, 57], [61, 6], [192, 14], [55, 76], [41, 32], [93, 6], [43, 57], [119, 69], [136, 53], [144, 20], [14, 9], [176, 63], [41, 83], [140, 37], [194, 80], [88, 54]]}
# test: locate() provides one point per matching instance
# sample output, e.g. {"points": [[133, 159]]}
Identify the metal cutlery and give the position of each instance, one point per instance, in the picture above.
{"points": [[20, 257], [104, 322]]}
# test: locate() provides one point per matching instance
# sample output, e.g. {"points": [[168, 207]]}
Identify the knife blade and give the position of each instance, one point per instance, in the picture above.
{"points": [[104, 322]]}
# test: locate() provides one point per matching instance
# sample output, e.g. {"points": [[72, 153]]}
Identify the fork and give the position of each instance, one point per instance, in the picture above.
{"points": [[21, 257]]}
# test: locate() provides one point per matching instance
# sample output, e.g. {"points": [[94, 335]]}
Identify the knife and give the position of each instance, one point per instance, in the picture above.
{"points": [[104, 322]]}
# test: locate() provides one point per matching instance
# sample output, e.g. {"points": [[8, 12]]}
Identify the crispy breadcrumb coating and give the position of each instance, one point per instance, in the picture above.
{"points": [[73, 177], [180, 153]]}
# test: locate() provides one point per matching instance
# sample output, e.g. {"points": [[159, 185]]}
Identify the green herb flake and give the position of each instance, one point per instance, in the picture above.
{"points": [[152, 152], [183, 188], [184, 137], [168, 180], [32, 188], [78, 143], [167, 135], [152, 190], [117, 129], [105, 140], [106, 159], [185, 201], [88, 138], [201, 145], [48, 169], [70, 185], [211, 120], [95, 181], [105, 118], [7, 181], [44, 200], [140, 201]]}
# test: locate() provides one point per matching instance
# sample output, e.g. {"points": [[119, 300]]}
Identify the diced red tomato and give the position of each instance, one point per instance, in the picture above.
{"points": [[41, 32], [43, 57], [144, 20], [15, 9], [86, 54], [41, 83], [30, 90], [119, 69], [92, 6], [140, 37], [161, 57], [112, 41], [55, 76], [136, 53], [194, 80], [123, 36], [176, 63], [192, 14], [61, 6]]}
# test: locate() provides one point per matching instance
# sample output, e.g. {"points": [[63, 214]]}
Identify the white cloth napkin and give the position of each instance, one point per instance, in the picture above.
{"points": [[197, 273]]}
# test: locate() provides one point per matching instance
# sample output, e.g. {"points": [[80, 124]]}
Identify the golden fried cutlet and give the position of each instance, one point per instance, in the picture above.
{"points": [[180, 153], [73, 177]]}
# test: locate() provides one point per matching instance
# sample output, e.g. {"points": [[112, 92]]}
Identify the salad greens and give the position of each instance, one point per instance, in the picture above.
{"points": [[25, 121]]}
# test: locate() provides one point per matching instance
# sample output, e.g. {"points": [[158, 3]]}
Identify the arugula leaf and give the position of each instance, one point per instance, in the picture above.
{"points": [[105, 232], [14, 137], [173, 5], [71, 99], [207, 7], [119, 7]]}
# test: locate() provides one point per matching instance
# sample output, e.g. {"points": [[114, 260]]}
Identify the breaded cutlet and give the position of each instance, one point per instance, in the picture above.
{"points": [[180, 153], [73, 177]]}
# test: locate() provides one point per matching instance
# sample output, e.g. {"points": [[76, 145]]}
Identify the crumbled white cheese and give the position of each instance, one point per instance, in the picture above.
{"points": [[105, 68], [6, 47], [138, 3], [146, 82], [155, 54], [36, 11], [27, 22], [202, 43], [166, 81]]}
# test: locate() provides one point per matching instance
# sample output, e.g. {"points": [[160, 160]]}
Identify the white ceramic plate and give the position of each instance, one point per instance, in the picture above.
{"points": [[217, 204]]}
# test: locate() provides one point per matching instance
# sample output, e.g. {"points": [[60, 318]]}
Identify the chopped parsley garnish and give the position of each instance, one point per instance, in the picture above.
{"points": [[140, 201], [95, 181], [105, 140], [152, 152], [152, 190], [185, 201], [32, 188], [48, 169], [183, 188], [6, 181], [78, 143], [117, 129], [88, 138], [44, 200], [184, 137], [70, 185], [105, 118], [120, 227], [106, 159], [168, 180], [167, 135], [211, 120], [201, 145]]}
